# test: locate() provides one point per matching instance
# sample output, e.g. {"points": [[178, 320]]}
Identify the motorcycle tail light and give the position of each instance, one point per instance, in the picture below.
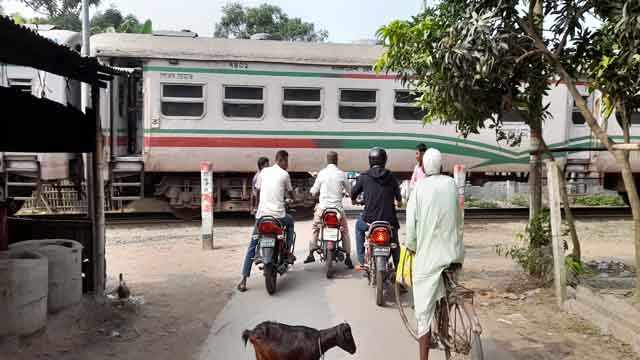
{"points": [[269, 227], [331, 219], [380, 236]]}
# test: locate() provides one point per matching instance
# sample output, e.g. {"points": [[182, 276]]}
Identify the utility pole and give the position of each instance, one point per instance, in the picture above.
{"points": [[94, 167]]}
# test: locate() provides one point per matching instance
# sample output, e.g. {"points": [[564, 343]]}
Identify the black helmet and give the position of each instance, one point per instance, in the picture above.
{"points": [[377, 156]]}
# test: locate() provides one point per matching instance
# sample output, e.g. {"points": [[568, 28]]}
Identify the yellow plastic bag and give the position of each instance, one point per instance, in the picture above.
{"points": [[404, 273]]}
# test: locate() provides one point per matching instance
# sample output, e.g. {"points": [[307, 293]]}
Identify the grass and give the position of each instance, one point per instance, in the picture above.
{"points": [[478, 203], [520, 201], [599, 200]]}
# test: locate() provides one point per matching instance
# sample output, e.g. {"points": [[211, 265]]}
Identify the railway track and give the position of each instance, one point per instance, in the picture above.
{"points": [[471, 214]]}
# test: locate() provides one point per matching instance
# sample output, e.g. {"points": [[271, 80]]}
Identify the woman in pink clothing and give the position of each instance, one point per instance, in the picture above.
{"points": [[418, 171]]}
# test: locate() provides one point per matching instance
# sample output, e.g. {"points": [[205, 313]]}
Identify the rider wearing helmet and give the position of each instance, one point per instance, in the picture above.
{"points": [[381, 193]]}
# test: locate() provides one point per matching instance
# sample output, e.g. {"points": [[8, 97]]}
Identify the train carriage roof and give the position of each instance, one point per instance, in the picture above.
{"points": [[213, 49]]}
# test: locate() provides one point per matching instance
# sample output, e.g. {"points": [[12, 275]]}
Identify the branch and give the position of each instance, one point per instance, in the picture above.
{"points": [[529, 53], [563, 42], [571, 86]]}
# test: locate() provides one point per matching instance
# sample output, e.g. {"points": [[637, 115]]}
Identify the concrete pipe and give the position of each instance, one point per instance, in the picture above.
{"points": [[65, 270], [23, 292]]}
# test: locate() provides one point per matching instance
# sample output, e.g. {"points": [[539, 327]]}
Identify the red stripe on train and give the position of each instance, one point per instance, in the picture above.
{"points": [[227, 142]]}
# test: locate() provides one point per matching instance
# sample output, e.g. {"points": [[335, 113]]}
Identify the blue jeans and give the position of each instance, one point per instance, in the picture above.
{"points": [[287, 222], [361, 229]]}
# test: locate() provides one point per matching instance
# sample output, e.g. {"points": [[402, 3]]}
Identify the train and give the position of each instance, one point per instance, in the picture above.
{"points": [[191, 99], [23, 174]]}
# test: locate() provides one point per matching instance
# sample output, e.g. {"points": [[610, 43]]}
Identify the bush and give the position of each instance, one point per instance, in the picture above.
{"points": [[520, 201], [599, 200], [534, 253], [478, 203]]}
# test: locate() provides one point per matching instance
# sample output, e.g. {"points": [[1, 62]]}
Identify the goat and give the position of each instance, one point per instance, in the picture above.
{"points": [[275, 341]]}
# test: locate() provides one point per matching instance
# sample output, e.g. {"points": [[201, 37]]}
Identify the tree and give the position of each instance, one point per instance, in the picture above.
{"points": [[490, 55], [241, 22], [112, 20], [57, 8]]}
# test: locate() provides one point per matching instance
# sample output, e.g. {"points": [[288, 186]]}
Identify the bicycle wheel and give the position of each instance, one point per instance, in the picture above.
{"points": [[463, 339], [477, 352], [404, 302]]}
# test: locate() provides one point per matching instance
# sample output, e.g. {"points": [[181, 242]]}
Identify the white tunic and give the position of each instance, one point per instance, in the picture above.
{"points": [[332, 184], [434, 232], [273, 183]]}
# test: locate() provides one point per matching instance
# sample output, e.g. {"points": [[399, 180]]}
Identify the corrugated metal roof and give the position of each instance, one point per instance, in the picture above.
{"points": [[213, 49]]}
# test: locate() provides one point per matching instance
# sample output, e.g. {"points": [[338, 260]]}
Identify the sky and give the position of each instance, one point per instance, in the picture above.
{"points": [[346, 20]]}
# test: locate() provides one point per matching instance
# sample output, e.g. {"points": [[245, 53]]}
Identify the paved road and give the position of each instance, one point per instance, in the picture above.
{"points": [[306, 297]]}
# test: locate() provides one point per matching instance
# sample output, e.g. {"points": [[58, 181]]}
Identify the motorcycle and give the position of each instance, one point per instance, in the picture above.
{"points": [[272, 250], [330, 238], [378, 246]]}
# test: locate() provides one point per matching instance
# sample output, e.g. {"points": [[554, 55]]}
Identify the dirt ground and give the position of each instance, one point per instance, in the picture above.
{"points": [[184, 288]]}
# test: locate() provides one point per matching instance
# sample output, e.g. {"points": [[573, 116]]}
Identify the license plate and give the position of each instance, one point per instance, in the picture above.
{"points": [[330, 234], [268, 242], [381, 251]]}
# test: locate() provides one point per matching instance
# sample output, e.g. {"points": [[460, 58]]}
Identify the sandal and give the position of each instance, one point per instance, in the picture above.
{"points": [[242, 286]]}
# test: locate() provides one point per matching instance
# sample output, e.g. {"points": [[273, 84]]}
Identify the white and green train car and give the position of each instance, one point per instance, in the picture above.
{"points": [[22, 174], [229, 102]]}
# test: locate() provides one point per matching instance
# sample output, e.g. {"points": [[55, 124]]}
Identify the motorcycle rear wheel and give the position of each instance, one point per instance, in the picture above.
{"points": [[270, 278], [329, 262], [380, 288]]}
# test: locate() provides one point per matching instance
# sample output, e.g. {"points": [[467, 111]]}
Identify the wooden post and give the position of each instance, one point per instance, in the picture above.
{"points": [[97, 173], [559, 270], [4, 226], [206, 181]]}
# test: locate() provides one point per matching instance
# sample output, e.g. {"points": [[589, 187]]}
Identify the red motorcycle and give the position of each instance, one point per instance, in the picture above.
{"points": [[330, 238], [272, 250], [378, 246]]}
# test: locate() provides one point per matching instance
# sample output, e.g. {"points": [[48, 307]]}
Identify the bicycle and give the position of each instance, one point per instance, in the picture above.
{"points": [[456, 327]]}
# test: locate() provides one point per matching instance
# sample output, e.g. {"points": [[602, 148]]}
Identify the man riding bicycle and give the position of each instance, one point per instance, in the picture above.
{"points": [[434, 219]]}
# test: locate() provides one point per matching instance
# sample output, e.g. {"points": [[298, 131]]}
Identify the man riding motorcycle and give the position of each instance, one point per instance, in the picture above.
{"points": [[332, 184], [273, 186], [381, 195]]}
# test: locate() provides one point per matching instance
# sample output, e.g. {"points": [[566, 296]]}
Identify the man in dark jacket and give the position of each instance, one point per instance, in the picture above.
{"points": [[381, 194]]}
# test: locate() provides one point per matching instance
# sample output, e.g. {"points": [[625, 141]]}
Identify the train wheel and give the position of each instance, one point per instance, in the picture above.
{"points": [[15, 206]]}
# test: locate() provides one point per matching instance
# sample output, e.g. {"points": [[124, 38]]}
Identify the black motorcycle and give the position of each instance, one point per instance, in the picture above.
{"points": [[330, 238], [378, 244], [272, 250]]}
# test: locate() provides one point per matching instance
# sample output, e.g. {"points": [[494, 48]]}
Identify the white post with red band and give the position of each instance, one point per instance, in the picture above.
{"points": [[206, 200], [460, 178]]}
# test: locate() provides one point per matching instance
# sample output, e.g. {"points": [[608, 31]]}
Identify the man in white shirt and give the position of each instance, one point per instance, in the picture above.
{"points": [[273, 187], [332, 184]]}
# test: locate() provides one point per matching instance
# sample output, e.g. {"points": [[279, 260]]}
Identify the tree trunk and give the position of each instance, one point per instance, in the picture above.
{"points": [[634, 201], [576, 251], [535, 125]]}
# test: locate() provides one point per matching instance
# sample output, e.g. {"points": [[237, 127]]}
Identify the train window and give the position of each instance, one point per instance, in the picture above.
{"points": [[635, 118], [243, 102], [512, 117], [302, 103], [358, 104], [23, 85], [404, 107], [576, 115], [182, 100]]}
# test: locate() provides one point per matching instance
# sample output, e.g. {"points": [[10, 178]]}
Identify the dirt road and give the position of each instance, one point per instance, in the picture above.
{"points": [[187, 313]]}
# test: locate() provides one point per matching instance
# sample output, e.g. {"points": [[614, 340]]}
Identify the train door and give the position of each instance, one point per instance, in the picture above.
{"points": [[578, 165], [126, 176]]}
